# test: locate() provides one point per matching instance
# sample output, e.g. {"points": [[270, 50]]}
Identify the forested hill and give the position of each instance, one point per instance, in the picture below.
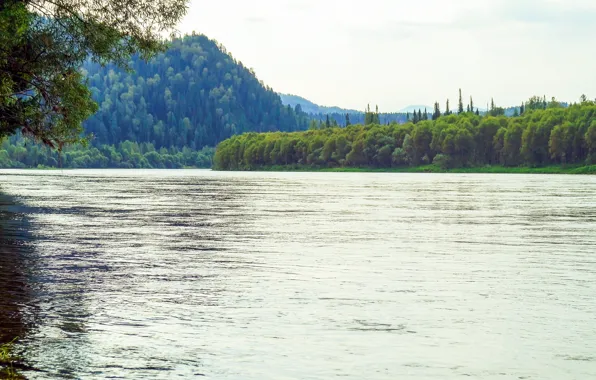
{"points": [[193, 95]]}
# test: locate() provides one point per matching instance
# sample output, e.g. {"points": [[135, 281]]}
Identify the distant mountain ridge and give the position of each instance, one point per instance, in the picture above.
{"points": [[410, 109], [315, 109], [312, 108], [336, 114]]}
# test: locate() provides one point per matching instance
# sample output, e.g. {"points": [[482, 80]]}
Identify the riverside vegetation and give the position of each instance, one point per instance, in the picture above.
{"points": [[8, 361], [541, 135]]}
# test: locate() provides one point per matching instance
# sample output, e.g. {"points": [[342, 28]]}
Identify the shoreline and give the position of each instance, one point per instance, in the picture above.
{"points": [[495, 169], [429, 169]]}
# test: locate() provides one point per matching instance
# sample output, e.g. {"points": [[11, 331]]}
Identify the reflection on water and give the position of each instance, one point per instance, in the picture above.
{"points": [[17, 262], [160, 274]]}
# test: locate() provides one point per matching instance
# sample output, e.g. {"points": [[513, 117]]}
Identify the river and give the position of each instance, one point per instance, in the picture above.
{"points": [[193, 273]]}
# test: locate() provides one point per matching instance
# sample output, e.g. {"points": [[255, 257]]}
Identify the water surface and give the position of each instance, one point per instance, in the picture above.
{"points": [[177, 274]]}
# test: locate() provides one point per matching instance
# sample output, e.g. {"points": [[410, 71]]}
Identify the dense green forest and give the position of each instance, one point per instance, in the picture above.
{"points": [[18, 152], [185, 100], [194, 95], [167, 112], [544, 134]]}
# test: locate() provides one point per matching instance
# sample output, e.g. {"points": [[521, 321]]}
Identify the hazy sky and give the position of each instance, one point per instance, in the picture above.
{"points": [[396, 53]]}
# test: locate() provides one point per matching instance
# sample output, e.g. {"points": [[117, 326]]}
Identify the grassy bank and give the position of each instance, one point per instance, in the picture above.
{"points": [[571, 169], [7, 362]]}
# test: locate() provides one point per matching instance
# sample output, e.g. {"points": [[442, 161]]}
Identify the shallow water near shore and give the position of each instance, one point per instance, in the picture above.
{"points": [[223, 275]]}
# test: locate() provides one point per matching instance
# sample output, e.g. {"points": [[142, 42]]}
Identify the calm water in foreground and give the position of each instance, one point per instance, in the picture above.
{"points": [[163, 274]]}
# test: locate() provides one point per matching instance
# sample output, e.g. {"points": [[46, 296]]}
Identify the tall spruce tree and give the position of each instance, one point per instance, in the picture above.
{"points": [[437, 112], [460, 105]]}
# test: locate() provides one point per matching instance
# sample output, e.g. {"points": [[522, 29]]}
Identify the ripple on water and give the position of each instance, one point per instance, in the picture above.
{"points": [[162, 274]]}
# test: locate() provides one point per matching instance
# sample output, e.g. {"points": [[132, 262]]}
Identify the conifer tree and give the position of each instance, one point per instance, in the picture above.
{"points": [[327, 122], [471, 104], [460, 106], [348, 120], [447, 111], [437, 112], [367, 116], [376, 118]]}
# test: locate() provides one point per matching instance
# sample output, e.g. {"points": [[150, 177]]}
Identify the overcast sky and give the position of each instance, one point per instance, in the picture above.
{"points": [[396, 53]]}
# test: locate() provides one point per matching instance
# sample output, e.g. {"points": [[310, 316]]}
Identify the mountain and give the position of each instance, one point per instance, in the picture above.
{"points": [[336, 114], [411, 109], [193, 95], [312, 108]]}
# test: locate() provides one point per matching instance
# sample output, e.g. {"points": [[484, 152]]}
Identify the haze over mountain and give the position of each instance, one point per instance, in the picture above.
{"points": [[310, 107], [313, 108]]}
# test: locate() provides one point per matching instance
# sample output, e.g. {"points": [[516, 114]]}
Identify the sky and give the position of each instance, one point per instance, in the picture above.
{"points": [[396, 53]]}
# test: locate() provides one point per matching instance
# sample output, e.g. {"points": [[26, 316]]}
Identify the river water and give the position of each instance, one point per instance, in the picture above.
{"points": [[181, 274]]}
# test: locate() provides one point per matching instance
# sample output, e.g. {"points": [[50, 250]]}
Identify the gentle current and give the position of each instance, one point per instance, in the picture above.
{"points": [[182, 274]]}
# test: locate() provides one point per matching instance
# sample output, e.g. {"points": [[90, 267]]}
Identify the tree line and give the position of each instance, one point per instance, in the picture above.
{"points": [[18, 152], [544, 133]]}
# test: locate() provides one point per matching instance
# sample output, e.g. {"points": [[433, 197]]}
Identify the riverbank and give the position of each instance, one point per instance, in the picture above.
{"points": [[494, 169], [8, 362]]}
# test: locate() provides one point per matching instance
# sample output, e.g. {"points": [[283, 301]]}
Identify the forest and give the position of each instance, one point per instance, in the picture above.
{"points": [[194, 95], [18, 152], [543, 133], [187, 99]]}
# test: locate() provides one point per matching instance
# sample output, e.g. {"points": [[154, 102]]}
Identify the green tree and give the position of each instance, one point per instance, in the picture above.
{"points": [[460, 104], [437, 112], [560, 144], [42, 92], [590, 137], [512, 144]]}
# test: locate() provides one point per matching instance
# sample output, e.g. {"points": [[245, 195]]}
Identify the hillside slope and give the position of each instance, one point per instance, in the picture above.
{"points": [[193, 95]]}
